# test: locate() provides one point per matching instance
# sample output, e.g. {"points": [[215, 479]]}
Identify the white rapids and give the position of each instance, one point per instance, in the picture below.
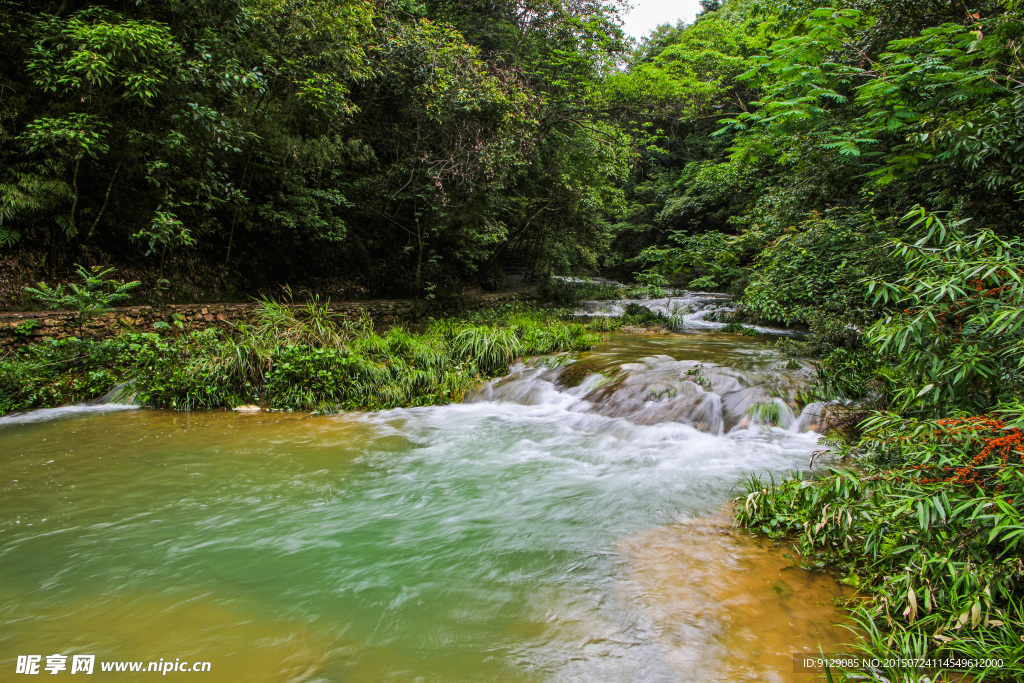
{"points": [[689, 310]]}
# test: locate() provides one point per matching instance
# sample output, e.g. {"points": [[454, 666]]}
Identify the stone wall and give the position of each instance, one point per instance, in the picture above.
{"points": [[19, 327]]}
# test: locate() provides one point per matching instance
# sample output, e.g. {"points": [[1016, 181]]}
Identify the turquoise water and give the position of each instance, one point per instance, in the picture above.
{"points": [[479, 541]]}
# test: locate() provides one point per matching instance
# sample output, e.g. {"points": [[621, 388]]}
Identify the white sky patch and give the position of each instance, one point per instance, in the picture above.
{"points": [[648, 14]]}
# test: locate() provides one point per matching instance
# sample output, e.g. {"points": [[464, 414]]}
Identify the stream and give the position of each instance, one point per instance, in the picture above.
{"points": [[567, 522]]}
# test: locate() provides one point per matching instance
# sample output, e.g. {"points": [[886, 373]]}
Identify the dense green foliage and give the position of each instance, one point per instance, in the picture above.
{"points": [[930, 528], [955, 336], [397, 145], [292, 359], [930, 524], [853, 113], [407, 147], [853, 168]]}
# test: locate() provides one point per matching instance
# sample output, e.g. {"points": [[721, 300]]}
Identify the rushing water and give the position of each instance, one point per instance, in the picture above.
{"points": [[562, 524], [691, 310]]}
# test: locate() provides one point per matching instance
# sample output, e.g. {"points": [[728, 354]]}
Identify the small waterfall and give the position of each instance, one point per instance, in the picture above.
{"points": [[659, 389], [816, 417], [121, 397], [689, 309], [123, 394]]}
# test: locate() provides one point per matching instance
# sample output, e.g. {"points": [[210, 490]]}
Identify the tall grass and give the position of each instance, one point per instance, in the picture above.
{"points": [[291, 357], [489, 348]]}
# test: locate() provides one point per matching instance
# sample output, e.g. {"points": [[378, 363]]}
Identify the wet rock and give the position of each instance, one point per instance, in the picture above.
{"points": [[659, 389], [818, 417]]}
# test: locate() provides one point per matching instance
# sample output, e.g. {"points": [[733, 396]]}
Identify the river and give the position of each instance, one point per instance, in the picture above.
{"points": [[565, 523]]}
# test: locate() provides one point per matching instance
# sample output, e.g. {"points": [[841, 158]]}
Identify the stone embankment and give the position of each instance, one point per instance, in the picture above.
{"points": [[19, 327]]}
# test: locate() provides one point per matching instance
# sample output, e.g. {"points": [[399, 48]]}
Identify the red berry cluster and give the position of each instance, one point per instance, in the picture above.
{"points": [[1000, 446]]}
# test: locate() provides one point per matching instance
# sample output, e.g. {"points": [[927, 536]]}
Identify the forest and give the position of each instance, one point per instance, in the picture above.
{"points": [[853, 170]]}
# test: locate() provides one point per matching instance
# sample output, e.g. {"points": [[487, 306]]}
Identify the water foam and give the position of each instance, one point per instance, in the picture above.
{"points": [[44, 414], [689, 310], [660, 390]]}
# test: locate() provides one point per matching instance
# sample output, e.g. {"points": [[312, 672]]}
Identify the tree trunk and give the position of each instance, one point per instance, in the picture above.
{"points": [[103, 207], [418, 280], [74, 190]]}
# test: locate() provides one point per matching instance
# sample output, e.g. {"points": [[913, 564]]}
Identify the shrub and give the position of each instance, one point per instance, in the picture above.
{"points": [[94, 296], [932, 531], [956, 332], [818, 265]]}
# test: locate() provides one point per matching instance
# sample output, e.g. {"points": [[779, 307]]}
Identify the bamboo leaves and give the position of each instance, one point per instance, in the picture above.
{"points": [[957, 331]]}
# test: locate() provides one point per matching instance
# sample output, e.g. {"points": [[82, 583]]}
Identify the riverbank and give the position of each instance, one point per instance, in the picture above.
{"points": [[306, 358], [320, 357], [929, 528], [21, 327]]}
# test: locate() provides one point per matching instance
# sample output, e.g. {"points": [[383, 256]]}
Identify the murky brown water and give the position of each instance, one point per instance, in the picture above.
{"points": [[729, 607], [497, 540]]}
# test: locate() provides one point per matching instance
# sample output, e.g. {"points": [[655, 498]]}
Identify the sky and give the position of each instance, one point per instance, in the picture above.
{"points": [[646, 14]]}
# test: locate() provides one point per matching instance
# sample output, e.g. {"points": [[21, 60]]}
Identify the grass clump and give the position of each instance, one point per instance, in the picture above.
{"points": [[297, 358]]}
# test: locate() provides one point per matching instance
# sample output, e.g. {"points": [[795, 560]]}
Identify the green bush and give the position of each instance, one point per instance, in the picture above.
{"points": [[56, 372], [707, 261], [955, 337], [288, 358], [817, 266], [930, 525], [930, 529]]}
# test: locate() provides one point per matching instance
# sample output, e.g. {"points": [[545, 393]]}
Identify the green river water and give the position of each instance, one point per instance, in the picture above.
{"points": [[528, 534]]}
